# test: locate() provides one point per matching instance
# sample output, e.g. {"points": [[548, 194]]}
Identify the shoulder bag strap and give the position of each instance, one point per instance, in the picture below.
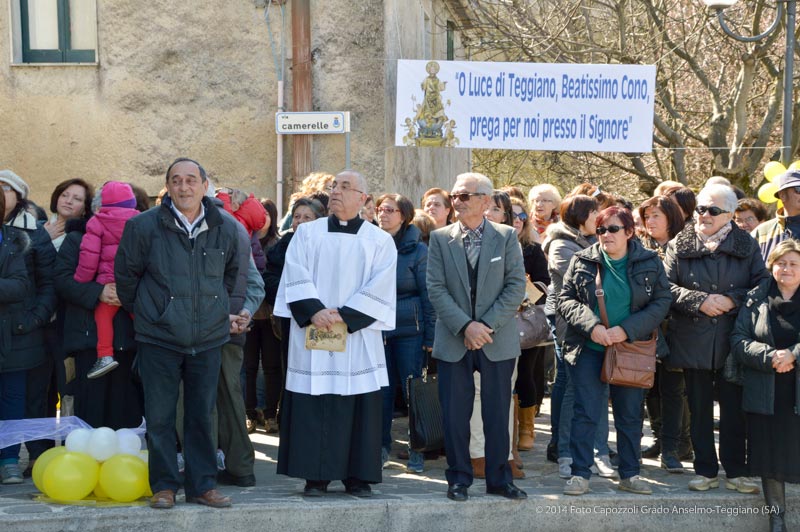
{"points": [[601, 299]]}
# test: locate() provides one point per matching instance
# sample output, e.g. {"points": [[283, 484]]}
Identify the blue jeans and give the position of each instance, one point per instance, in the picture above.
{"points": [[162, 370], [404, 357], [12, 406], [626, 404], [562, 399]]}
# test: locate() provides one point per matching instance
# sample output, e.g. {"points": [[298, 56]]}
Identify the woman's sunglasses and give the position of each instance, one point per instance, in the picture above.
{"points": [[610, 229], [521, 216], [713, 210]]}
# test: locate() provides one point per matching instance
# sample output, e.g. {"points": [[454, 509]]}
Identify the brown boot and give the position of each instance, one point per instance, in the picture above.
{"points": [[516, 473], [478, 467], [526, 432], [514, 437]]}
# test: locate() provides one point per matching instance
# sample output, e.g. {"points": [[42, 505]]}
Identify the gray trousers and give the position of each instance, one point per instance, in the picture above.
{"points": [[231, 419]]}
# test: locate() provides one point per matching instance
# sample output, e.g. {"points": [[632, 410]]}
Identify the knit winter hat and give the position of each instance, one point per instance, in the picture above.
{"points": [[14, 181], [116, 194]]}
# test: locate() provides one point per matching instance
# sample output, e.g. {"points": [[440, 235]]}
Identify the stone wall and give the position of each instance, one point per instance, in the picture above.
{"points": [[198, 79], [174, 78]]}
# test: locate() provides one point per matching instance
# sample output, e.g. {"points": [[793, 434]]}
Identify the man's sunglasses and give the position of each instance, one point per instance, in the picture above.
{"points": [[713, 210], [609, 229], [464, 196]]}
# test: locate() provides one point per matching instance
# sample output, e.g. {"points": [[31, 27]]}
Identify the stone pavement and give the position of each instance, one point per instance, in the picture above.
{"points": [[416, 503]]}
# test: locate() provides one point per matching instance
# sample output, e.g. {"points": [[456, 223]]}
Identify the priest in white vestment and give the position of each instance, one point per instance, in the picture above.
{"points": [[338, 270]]}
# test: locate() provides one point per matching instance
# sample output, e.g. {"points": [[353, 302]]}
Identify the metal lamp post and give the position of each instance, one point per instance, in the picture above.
{"points": [[790, 8]]}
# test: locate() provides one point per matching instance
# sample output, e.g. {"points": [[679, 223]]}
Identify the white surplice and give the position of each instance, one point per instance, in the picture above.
{"points": [[341, 270]]}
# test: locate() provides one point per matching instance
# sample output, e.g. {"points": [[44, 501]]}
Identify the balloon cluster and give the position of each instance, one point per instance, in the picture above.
{"points": [[101, 461], [766, 192]]}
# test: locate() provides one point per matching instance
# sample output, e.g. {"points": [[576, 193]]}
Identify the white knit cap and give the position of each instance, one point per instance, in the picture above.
{"points": [[15, 181]]}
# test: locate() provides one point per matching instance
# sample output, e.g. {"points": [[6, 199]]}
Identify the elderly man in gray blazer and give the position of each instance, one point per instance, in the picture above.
{"points": [[476, 281]]}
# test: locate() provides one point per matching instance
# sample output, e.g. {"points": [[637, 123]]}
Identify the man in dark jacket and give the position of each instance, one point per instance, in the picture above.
{"points": [[176, 268]]}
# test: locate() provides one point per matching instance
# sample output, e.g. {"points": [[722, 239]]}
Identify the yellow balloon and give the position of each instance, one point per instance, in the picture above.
{"points": [[794, 166], [766, 192], [70, 476], [772, 170], [124, 477], [41, 464], [99, 493]]}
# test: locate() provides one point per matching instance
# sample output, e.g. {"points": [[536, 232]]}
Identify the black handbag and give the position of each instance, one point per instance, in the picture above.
{"points": [[425, 421], [532, 326]]}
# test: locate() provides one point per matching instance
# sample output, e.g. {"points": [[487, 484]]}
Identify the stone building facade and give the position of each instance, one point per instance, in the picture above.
{"points": [[198, 79]]}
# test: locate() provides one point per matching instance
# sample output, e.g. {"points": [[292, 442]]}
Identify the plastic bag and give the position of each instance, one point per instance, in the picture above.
{"points": [[49, 428]]}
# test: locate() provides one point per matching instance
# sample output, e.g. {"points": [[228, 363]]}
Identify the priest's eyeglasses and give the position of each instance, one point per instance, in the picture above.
{"points": [[342, 187]]}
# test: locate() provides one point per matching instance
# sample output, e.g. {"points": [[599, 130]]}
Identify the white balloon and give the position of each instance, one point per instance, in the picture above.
{"points": [[128, 441], [78, 440], [103, 444]]}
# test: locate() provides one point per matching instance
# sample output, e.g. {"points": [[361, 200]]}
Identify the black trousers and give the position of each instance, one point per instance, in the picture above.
{"points": [[162, 371], [675, 429], [701, 384], [457, 393], [262, 346], [530, 377], [42, 387], [115, 400], [41, 397]]}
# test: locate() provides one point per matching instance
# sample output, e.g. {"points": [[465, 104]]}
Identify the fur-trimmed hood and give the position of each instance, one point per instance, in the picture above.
{"points": [[18, 238], [562, 231], [738, 243]]}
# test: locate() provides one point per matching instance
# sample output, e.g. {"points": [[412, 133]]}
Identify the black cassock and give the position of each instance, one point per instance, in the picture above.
{"points": [[331, 437]]}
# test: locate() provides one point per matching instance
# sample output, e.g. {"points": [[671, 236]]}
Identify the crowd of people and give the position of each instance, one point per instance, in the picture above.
{"points": [[212, 287]]}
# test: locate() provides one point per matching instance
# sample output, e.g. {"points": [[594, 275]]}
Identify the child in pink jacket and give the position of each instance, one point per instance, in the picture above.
{"points": [[96, 263]]}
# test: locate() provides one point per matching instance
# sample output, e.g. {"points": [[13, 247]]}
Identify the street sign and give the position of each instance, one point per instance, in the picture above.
{"points": [[312, 123]]}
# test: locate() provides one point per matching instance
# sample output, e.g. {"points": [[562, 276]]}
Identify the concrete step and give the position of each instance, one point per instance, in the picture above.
{"points": [[415, 503]]}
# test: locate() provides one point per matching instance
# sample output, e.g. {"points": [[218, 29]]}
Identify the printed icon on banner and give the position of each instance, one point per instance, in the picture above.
{"points": [[430, 127]]}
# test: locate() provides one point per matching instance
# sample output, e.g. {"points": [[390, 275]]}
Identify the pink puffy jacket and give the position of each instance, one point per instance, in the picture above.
{"points": [[100, 243]]}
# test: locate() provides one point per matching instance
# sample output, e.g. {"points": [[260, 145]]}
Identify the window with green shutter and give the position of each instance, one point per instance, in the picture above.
{"points": [[58, 31]]}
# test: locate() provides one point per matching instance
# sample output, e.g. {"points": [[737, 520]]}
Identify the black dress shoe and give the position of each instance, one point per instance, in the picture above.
{"points": [[316, 488], [552, 452], [653, 451], [509, 491], [458, 492], [357, 488], [245, 481]]}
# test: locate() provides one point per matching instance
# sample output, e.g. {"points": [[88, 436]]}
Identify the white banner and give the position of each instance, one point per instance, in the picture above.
{"points": [[525, 106]]}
